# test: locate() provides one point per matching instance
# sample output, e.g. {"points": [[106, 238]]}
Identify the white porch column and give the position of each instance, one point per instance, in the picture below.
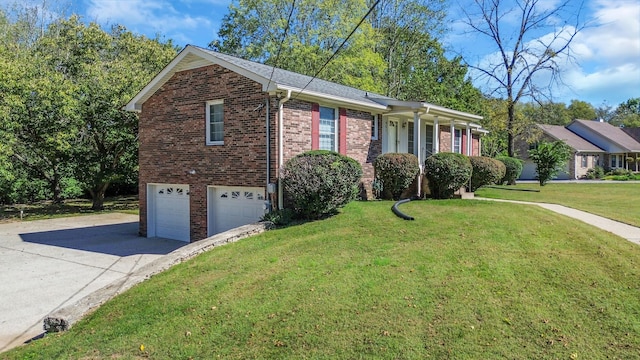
{"points": [[417, 136], [469, 141], [453, 137], [436, 136]]}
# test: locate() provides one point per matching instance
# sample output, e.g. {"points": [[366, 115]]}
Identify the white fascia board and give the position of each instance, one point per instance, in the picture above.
{"points": [[315, 96], [136, 103]]}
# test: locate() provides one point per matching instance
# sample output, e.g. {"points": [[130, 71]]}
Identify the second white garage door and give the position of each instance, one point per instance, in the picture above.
{"points": [[230, 207]]}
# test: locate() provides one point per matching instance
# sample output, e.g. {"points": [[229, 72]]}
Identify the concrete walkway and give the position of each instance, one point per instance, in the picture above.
{"points": [[623, 230]]}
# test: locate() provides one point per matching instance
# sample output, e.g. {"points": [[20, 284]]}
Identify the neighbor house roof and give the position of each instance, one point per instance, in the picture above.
{"points": [[611, 133], [569, 137], [301, 86]]}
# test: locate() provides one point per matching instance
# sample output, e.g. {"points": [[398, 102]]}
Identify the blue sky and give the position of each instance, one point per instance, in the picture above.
{"points": [[606, 69]]}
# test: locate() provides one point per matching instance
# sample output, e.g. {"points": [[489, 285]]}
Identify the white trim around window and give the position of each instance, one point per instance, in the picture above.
{"points": [[328, 129], [374, 127], [214, 120]]}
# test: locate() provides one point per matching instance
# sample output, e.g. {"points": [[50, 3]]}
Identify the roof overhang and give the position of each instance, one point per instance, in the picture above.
{"points": [[399, 107], [192, 57]]}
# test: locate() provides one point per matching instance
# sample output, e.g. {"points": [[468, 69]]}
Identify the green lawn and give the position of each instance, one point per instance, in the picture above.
{"points": [[73, 207], [617, 201], [465, 280]]}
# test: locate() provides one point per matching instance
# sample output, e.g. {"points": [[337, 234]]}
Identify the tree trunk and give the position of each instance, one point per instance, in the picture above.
{"points": [[56, 189], [510, 125], [97, 196]]}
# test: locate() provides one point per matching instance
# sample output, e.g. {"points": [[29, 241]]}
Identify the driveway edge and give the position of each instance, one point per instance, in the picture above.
{"points": [[63, 318]]}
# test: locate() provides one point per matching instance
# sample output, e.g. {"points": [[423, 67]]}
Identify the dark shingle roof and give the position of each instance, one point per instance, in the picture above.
{"points": [[570, 138], [614, 134], [299, 81]]}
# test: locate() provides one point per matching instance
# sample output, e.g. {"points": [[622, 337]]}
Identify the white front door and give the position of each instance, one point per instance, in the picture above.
{"points": [[233, 206]]}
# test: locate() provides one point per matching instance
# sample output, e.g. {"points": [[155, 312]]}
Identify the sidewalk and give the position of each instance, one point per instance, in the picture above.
{"points": [[623, 230]]}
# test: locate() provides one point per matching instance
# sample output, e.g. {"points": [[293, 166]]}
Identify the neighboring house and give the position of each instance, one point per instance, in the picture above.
{"points": [[215, 131], [593, 143], [584, 155], [617, 144]]}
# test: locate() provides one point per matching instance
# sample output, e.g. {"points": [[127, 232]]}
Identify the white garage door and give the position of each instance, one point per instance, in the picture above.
{"points": [[230, 207], [169, 213]]}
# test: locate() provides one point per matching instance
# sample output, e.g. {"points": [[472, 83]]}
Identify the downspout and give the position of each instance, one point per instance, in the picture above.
{"points": [[281, 148], [268, 147]]}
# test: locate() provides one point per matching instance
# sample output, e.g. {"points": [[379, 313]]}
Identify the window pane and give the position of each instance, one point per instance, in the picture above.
{"points": [[410, 138], [327, 129], [429, 141], [216, 122], [457, 141]]}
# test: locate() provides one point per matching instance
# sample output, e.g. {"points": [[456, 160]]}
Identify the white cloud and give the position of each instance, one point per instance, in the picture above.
{"points": [[142, 15]]}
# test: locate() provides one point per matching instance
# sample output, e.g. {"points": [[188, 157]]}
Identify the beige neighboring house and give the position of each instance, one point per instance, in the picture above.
{"points": [[585, 155], [593, 143], [617, 144]]}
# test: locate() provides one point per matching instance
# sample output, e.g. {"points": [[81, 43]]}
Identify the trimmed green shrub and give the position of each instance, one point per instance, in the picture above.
{"points": [[396, 172], [596, 172], [513, 169], [318, 182], [486, 171], [447, 172]]}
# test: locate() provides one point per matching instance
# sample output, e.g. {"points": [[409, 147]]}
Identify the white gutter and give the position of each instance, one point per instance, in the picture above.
{"points": [[281, 148]]}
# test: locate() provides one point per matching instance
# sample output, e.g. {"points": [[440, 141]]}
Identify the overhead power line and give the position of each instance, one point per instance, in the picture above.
{"points": [[339, 47], [284, 36]]}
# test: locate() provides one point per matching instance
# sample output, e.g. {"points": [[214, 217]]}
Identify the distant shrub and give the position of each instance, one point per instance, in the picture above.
{"points": [[596, 172], [486, 171], [447, 172], [319, 182], [513, 169], [396, 172]]}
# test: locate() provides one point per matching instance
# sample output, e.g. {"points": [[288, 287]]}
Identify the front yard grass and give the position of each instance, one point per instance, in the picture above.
{"points": [[465, 280], [617, 201], [73, 207]]}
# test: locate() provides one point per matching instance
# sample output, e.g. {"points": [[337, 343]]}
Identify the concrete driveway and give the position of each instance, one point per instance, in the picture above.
{"points": [[48, 264]]}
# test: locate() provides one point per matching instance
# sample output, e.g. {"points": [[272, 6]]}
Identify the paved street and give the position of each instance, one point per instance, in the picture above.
{"points": [[49, 264]]}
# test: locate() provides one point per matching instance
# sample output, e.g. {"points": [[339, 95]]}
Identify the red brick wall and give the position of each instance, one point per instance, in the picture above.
{"points": [[445, 138], [172, 138], [297, 134]]}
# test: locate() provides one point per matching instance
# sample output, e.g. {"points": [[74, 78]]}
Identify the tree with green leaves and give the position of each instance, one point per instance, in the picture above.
{"points": [[627, 113], [523, 56], [107, 69], [550, 158], [581, 110], [255, 30]]}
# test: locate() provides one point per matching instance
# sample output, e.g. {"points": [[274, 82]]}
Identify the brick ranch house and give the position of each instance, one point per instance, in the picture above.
{"points": [[593, 143], [214, 131]]}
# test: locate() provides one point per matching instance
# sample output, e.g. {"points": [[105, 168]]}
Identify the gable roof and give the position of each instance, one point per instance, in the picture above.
{"points": [[272, 79], [610, 132], [569, 137], [275, 79]]}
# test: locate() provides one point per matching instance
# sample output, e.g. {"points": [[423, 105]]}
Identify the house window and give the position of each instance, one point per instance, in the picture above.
{"points": [[596, 160], [374, 127], [410, 138], [328, 129], [584, 161], [457, 141], [429, 141], [215, 122], [614, 159]]}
